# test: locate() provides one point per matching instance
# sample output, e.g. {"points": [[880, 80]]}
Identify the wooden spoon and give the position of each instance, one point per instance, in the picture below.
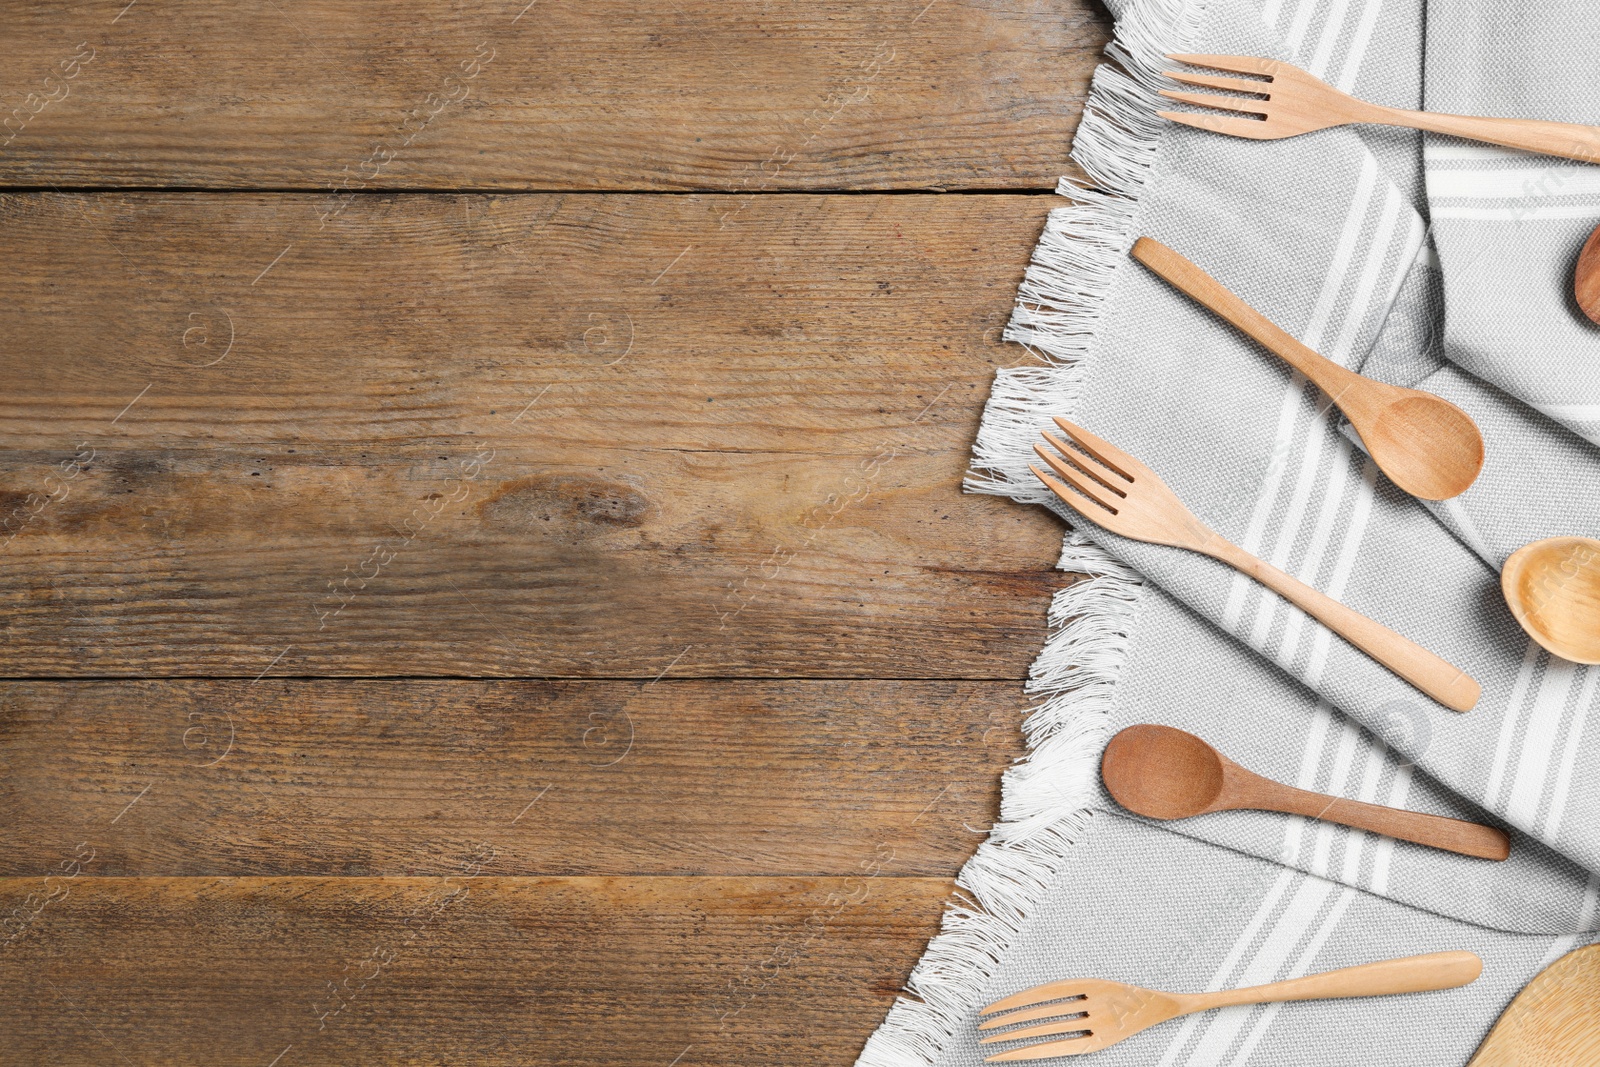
{"points": [[1553, 588], [1586, 279], [1553, 1021], [1163, 773], [1425, 444]]}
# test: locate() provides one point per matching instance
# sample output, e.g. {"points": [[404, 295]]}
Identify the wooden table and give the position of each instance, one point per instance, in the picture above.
{"points": [[485, 573]]}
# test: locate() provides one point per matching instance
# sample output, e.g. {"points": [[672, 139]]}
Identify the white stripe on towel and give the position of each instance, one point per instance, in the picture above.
{"points": [[1508, 724], [1550, 833], [1358, 47], [1302, 966], [1515, 213], [1539, 742], [1283, 443]]}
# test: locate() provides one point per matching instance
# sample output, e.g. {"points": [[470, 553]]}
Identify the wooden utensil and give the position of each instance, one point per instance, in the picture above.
{"points": [[1426, 445], [1164, 773], [1115, 490], [1290, 102], [1100, 1013], [1553, 1022], [1553, 589], [1586, 278]]}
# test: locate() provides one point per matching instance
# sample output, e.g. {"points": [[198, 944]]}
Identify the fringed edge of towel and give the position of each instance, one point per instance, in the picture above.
{"points": [[1044, 808], [1083, 248], [1046, 797]]}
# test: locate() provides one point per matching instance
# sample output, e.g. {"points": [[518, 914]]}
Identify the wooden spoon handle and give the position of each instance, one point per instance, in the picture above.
{"points": [[1187, 277], [1412, 974], [1445, 683], [1435, 831], [1565, 139]]}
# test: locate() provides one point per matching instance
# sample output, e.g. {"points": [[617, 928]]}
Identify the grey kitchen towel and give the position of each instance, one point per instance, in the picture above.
{"points": [[1327, 234], [1509, 224]]}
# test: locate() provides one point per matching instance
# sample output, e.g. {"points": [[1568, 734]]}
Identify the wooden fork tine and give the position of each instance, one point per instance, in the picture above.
{"points": [[1045, 1050], [1084, 485], [1254, 129], [1082, 503], [1063, 989], [1106, 475], [1108, 454], [1064, 1026], [1022, 1015], [1223, 103], [1211, 81], [1237, 64]]}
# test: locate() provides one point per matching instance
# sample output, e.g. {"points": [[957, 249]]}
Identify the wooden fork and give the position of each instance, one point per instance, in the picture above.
{"points": [[1116, 491], [1293, 102], [1100, 1013]]}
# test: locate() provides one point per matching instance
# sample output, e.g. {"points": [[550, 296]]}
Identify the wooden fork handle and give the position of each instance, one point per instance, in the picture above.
{"points": [[1411, 974], [1445, 683], [1435, 831], [1566, 139], [1186, 276]]}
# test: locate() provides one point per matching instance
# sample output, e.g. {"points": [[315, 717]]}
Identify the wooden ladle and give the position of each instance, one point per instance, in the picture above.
{"points": [[1552, 1022], [1425, 444], [1164, 773], [1586, 279], [1553, 588]]}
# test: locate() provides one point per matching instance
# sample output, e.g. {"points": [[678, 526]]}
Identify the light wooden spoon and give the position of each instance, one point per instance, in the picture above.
{"points": [[1553, 1021], [1163, 773], [1553, 588], [1586, 279], [1425, 444]]}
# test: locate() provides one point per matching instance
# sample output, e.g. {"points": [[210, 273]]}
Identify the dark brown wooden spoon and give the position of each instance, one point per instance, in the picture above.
{"points": [[1163, 773], [1586, 279]]}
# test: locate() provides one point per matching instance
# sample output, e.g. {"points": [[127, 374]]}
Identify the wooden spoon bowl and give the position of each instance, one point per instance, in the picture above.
{"points": [[1586, 279], [1189, 775], [1425, 444], [1553, 589]]}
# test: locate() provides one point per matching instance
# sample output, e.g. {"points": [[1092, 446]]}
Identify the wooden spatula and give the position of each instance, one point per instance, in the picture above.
{"points": [[1555, 1020]]}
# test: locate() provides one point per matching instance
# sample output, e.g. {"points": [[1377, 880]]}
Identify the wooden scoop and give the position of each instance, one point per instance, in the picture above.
{"points": [[1553, 1022], [1163, 773], [1425, 444], [1553, 588]]}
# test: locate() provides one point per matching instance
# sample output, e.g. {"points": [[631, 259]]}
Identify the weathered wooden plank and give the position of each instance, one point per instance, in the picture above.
{"points": [[468, 969], [571, 778], [558, 94], [533, 436]]}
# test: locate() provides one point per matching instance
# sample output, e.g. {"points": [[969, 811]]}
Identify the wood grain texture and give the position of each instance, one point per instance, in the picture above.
{"points": [[574, 778], [588, 436], [1552, 1022], [473, 968], [661, 456], [558, 94]]}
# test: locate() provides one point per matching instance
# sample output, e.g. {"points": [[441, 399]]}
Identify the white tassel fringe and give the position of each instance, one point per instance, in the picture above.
{"points": [[1044, 808], [1046, 796]]}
